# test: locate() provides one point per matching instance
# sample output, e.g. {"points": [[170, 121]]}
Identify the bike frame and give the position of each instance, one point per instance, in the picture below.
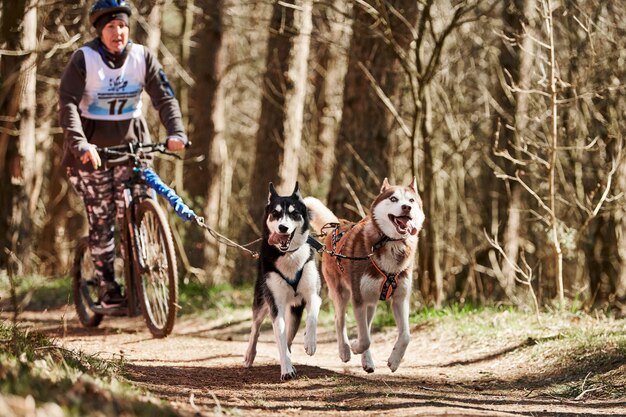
{"points": [[130, 237], [130, 240]]}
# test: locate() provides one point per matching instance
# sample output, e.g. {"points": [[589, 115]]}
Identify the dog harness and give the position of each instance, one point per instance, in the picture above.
{"points": [[390, 282], [293, 282], [337, 247]]}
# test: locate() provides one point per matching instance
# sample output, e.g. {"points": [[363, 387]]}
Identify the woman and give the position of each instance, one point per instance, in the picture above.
{"points": [[100, 105]]}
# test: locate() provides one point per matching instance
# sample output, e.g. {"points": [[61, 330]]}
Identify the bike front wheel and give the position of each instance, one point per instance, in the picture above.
{"points": [[84, 286], [157, 286]]}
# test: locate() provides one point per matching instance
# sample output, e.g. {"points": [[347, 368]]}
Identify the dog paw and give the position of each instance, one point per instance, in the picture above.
{"points": [[367, 363], [309, 347], [396, 357], [393, 363], [344, 352], [359, 347], [249, 359], [289, 375], [310, 343]]}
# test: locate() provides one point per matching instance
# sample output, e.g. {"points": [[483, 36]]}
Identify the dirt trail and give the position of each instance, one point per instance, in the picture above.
{"points": [[199, 370]]}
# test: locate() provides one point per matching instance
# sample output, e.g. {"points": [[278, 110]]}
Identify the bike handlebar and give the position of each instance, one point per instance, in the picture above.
{"points": [[136, 151]]}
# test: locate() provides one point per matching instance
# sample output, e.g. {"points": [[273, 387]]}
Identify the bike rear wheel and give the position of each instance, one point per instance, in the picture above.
{"points": [[157, 285], [84, 286]]}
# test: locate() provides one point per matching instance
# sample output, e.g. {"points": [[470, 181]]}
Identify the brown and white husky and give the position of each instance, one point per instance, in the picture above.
{"points": [[386, 243]]}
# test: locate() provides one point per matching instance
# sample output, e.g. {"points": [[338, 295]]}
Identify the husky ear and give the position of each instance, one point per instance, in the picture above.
{"points": [[296, 191], [413, 185], [385, 185], [272, 193]]}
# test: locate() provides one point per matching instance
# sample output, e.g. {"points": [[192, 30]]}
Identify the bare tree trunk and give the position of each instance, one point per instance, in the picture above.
{"points": [[429, 46], [554, 221], [204, 179], [516, 220], [332, 62], [17, 133], [620, 287], [187, 32], [296, 94], [431, 282], [220, 173], [516, 62], [148, 33], [366, 122], [616, 124], [60, 219], [270, 136]]}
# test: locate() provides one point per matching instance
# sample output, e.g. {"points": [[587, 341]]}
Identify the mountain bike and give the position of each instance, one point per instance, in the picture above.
{"points": [[149, 263]]}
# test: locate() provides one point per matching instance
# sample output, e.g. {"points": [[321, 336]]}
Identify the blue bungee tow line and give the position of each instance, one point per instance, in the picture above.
{"points": [[184, 211], [177, 203]]}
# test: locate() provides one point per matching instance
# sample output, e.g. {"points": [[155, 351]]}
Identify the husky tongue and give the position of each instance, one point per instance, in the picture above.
{"points": [[406, 223], [278, 238], [402, 221]]}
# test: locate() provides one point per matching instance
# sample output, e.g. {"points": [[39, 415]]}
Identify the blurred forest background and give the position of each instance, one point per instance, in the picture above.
{"points": [[510, 113]]}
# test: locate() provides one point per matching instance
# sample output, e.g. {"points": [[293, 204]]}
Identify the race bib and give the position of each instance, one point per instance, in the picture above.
{"points": [[113, 93]]}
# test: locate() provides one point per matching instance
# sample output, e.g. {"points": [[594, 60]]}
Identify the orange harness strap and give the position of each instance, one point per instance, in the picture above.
{"points": [[389, 283]]}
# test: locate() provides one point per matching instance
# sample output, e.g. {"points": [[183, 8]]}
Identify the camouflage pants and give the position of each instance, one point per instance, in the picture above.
{"points": [[103, 195]]}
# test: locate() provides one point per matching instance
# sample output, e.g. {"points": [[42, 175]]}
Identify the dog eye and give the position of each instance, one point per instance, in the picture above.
{"points": [[393, 199], [412, 200], [275, 214]]}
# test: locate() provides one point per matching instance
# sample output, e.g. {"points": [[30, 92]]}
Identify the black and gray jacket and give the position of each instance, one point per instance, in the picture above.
{"points": [[80, 131]]}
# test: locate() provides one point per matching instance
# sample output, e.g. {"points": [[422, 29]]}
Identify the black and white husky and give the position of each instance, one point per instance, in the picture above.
{"points": [[288, 280]]}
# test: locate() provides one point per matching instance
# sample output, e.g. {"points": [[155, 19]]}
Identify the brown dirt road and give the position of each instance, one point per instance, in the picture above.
{"points": [[199, 370]]}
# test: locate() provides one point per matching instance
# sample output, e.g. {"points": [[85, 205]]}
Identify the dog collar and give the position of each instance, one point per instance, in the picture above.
{"points": [[316, 244], [383, 240]]}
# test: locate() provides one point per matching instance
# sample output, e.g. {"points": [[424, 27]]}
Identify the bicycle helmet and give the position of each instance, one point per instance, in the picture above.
{"points": [[102, 7]]}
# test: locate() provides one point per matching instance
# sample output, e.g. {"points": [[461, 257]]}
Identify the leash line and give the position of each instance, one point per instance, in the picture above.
{"points": [[317, 245], [228, 242]]}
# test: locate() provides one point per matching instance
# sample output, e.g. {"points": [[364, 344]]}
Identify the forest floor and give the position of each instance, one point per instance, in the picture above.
{"points": [[494, 363]]}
